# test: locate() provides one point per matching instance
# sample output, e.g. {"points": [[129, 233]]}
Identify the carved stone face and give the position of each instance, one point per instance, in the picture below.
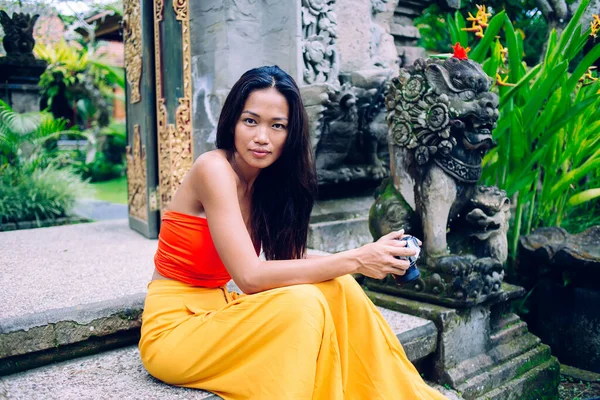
{"points": [[444, 112], [473, 108]]}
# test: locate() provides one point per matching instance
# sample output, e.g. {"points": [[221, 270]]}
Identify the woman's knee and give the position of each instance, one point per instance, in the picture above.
{"points": [[346, 283], [300, 302]]}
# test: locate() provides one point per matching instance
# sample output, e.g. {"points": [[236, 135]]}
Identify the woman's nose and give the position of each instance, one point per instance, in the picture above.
{"points": [[261, 135]]}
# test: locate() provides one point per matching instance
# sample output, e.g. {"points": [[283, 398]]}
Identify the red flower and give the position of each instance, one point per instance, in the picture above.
{"points": [[460, 52]]}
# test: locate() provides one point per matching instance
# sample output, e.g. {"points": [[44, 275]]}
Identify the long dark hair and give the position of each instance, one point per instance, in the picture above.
{"points": [[283, 193]]}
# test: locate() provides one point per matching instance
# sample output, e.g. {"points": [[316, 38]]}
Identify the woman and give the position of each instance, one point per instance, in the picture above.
{"points": [[304, 329]]}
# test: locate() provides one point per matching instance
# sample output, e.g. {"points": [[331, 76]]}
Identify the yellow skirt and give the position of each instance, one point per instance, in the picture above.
{"points": [[320, 341]]}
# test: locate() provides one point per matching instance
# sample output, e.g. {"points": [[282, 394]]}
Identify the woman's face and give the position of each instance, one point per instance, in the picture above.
{"points": [[261, 130]]}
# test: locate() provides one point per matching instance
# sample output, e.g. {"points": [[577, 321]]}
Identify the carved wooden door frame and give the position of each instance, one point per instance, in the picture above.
{"points": [[159, 83]]}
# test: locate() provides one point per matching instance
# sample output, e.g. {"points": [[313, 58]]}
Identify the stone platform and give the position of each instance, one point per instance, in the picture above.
{"points": [[78, 290]]}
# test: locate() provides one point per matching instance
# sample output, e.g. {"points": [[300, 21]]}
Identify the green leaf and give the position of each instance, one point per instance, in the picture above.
{"points": [[575, 175], [490, 66], [460, 25], [584, 197], [550, 47], [514, 53], [567, 34], [451, 22], [519, 85], [589, 59], [534, 104]]}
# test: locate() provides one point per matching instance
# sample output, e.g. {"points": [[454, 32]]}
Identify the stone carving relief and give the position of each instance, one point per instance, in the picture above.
{"points": [[440, 117], [378, 6], [132, 35], [353, 136], [347, 108], [321, 62], [174, 141], [137, 197]]}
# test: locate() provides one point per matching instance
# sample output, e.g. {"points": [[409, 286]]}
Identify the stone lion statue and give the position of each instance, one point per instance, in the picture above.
{"points": [[441, 114]]}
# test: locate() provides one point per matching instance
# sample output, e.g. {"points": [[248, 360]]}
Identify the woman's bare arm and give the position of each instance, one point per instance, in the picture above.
{"points": [[216, 188]]}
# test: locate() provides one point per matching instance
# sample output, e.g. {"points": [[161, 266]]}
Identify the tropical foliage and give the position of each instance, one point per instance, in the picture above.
{"points": [[32, 185], [76, 85], [548, 134]]}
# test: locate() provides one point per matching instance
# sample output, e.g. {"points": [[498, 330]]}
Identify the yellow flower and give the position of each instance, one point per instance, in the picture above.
{"points": [[504, 54], [482, 15], [503, 82], [479, 21], [595, 25], [588, 78]]}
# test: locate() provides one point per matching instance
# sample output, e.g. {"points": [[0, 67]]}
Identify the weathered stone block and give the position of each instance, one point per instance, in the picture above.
{"points": [[471, 362], [336, 236]]}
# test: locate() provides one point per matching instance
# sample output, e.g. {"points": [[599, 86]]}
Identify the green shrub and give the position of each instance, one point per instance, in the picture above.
{"points": [[32, 186], [548, 135], [30, 193], [100, 169]]}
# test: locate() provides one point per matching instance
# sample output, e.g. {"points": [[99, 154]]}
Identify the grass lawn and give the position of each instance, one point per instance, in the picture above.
{"points": [[114, 191]]}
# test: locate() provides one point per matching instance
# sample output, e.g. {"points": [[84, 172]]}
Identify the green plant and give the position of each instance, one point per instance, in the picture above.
{"points": [[548, 133], [32, 187], [432, 28], [528, 21], [77, 85], [104, 158], [34, 193], [24, 135]]}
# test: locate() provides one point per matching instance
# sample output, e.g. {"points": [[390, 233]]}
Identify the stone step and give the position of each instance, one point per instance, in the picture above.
{"points": [[340, 224], [116, 374], [110, 375], [540, 382], [473, 367], [341, 235], [509, 333], [75, 290], [507, 371], [38, 339], [514, 348], [506, 321], [34, 340]]}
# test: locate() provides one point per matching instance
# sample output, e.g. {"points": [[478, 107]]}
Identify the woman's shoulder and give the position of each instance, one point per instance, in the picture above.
{"points": [[213, 161], [213, 166]]}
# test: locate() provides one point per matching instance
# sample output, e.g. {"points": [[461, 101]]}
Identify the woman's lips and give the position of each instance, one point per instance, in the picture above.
{"points": [[260, 153]]}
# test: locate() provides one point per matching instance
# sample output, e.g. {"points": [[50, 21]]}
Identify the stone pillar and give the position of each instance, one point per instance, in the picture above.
{"points": [[230, 37], [405, 33]]}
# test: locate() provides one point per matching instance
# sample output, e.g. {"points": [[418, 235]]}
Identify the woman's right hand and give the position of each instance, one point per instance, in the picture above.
{"points": [[377, 260]]}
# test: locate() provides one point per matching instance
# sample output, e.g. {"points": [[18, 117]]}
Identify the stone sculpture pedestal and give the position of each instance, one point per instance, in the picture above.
{"points": [[484, 351], [19, 83]]}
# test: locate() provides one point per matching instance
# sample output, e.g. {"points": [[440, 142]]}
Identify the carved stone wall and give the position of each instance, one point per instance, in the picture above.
{"points": [[347, 111]]}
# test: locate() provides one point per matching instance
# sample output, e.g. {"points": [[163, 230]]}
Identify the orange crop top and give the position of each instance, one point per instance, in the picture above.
{"points": [[186, 251]]}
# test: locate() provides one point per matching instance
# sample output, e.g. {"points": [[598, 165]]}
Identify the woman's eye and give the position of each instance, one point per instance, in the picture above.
{"points": [[249, 121], [278, 126]]}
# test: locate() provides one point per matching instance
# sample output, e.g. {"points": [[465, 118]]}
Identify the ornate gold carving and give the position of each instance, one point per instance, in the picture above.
{"points": [[174, 141], [132, 35], [136, 177]]}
